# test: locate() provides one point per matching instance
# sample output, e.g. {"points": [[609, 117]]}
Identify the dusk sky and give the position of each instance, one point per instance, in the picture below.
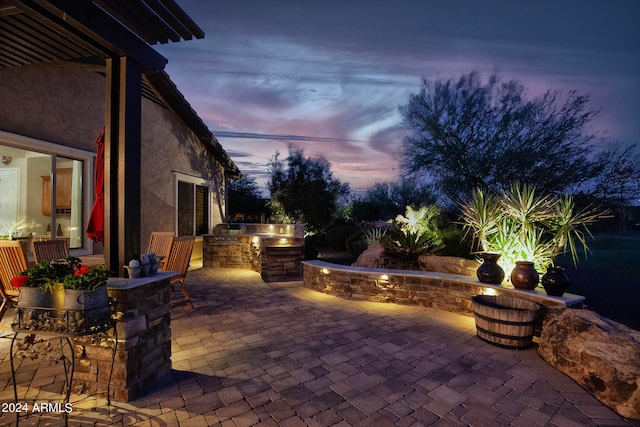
{"points": [[328, 76]]}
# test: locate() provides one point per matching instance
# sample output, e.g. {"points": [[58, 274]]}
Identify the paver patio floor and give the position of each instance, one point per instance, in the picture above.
{"points": [[269, 354]]}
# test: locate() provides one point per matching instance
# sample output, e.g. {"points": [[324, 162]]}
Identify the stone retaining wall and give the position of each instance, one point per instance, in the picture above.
{"points": [[450, 292]]}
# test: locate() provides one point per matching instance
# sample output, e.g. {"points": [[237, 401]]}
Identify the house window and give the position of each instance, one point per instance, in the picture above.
{"points": [[193, 206], [44, 191]]}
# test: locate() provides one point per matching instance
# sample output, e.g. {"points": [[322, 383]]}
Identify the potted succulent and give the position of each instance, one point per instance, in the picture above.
{"points": [[134, 269], [145, 263], [153, 258]]}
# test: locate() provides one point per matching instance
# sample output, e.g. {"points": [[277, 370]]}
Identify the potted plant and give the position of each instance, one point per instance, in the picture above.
{"points": [[522, 225], [31, 294], [78, 294], [48, 276]]}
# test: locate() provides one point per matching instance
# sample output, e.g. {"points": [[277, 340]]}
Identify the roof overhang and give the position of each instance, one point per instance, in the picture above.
{"points": [[93, 31], [39, 31]]}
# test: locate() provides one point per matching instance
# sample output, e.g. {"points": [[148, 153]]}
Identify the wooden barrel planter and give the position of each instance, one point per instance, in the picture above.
{"points": [[505, 321]]}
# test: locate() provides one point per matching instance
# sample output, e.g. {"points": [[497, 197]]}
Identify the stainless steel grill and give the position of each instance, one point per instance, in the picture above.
{"points": [[227, 233]]}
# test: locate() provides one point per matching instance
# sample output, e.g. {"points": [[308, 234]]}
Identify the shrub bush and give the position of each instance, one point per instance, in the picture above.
{"points": [[456, 243], [336, 237], [311, 245]]}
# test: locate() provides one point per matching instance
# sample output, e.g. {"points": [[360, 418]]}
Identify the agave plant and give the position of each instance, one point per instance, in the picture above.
{"points": [[523, 225], [406, 247], [373, 234]]}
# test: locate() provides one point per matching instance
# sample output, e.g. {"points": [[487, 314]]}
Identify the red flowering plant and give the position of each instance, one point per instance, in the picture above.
{"points": [[67, 273], [20, 281], [86, 278]]}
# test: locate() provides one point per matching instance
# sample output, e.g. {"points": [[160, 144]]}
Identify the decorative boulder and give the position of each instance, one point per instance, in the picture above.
{"points": [[449, 264], [601, 355], [372, 257]]}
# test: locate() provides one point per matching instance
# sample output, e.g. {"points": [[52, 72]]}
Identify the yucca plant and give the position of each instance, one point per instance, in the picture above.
{"points": [[482, 215], [568, 225], [522, 225]]}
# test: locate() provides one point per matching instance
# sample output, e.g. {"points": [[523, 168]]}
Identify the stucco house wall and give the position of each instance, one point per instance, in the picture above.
{"points": [[63, 103], [169, 147]]}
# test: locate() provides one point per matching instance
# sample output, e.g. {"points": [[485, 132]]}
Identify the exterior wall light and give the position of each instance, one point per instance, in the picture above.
{"points": [[489, 291], [383, 281], [325, 271]]}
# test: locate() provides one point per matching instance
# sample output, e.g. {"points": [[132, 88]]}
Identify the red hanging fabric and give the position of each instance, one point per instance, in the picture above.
{"points": [[95, 226]]}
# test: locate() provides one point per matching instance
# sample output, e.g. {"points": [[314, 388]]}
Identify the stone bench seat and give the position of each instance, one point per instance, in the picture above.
{"points": [[451, 292]]}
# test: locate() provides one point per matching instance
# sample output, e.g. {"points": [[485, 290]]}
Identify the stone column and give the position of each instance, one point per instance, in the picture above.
{"points": [[143, 353]]}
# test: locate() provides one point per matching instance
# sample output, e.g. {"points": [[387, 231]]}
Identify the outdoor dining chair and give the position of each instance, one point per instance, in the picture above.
{"points": [[12, 263], [178, 258], [49, 250], [159, 243]]}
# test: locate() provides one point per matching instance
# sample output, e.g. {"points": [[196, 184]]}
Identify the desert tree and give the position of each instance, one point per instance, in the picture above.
{"points": [[619, 183], [467, 134], [385, 200], [618, 186], [245, 199], [304, 190]]}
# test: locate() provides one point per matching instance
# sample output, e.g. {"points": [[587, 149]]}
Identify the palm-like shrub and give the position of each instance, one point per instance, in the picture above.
{"points": [[422, 221], [404, 247], [522, 225]]}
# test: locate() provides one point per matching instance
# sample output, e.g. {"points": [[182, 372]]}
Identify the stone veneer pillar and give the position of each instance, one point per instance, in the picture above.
{"points": [[143, 353]]}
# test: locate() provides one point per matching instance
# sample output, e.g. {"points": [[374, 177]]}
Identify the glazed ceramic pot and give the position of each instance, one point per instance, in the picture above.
{"points": [[555, 281], [489, 271], [524, 276]]}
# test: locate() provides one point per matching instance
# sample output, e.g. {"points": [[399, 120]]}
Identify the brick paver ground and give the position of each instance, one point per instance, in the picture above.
{"points": [[278, 354]]}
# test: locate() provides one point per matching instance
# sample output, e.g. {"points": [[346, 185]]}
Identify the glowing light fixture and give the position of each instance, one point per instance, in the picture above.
{"points": [[255, 240], [489, 291], [283, 241], [325, 271], [383, 281]]}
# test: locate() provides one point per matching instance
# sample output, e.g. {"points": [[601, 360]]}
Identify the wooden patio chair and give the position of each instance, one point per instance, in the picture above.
{"points": [[49, 250], [160, 242], [178, 258], [12, 263]]}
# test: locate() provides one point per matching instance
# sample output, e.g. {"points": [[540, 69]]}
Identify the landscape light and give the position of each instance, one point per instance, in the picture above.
{"points": [[383, 282]]}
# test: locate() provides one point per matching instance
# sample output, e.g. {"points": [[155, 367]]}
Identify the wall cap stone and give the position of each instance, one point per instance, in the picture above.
{"points": [[537, 295], [127, 283]]}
